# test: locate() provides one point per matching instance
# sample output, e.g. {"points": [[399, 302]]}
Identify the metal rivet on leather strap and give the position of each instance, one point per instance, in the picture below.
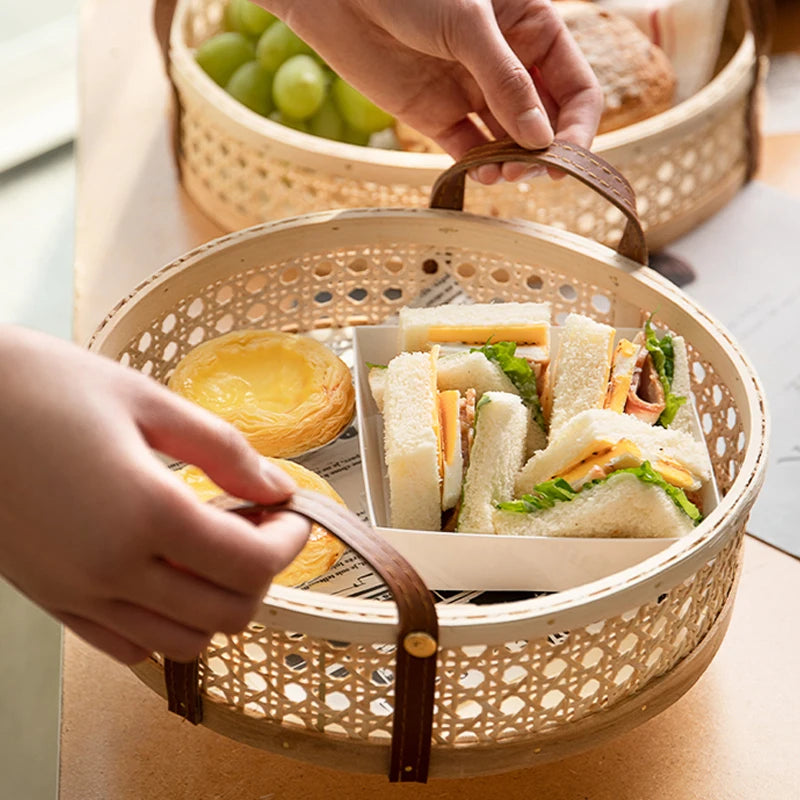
{"points": [[419, 644]]}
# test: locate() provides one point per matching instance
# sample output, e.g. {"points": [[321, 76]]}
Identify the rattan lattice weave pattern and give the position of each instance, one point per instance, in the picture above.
{"points": [[683, 164]]}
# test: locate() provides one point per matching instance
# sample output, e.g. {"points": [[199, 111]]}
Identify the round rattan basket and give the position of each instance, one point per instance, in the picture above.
{"points": [[516, 683], [242, 169]]}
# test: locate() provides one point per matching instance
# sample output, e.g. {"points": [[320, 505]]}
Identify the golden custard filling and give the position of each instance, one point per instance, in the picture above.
{"points": [[285, 392], [271, 378]]}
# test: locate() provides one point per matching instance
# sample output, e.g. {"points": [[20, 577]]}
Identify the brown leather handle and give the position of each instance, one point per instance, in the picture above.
{"points": [[163, 13], [595, 172], [417, 636]]}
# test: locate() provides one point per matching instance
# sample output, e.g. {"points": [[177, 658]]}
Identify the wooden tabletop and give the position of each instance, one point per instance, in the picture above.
{"points": [[734, 735]]}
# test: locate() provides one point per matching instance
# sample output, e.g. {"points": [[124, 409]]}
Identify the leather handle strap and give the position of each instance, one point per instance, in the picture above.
{"points": [[417, 635], [590, 169], [163, 14]]}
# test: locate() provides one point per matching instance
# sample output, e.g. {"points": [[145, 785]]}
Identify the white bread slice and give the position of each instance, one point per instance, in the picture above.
{"points": [[460, 370], [410, 442], [581, 369], [682, 385], [501, 430], [575, 440], [622, 506], [492, 318], [464, 370], [376, 378]]}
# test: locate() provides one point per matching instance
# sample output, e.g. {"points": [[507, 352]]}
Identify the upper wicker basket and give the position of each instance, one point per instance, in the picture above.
{"points": [[242, 169], [322, 678]]}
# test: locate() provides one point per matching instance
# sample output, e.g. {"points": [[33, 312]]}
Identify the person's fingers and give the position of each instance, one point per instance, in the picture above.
{"points": [[102, 638], [505, 83], [460, 137], [490, 121], [151, 631], [573, 87], [184, 431], [231, 552], [192, 601]]}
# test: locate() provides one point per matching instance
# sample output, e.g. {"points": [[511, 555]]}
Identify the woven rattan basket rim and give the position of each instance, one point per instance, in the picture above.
{"points": [[732, 82], [369, 621]]}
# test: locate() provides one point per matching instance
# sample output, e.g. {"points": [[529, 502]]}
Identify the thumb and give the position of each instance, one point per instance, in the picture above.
{"points": [[507, 86], [180, 429]]}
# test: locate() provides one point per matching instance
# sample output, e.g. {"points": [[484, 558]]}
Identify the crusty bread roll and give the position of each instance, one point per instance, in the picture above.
{"points": [[321, 551], [636, 76], [286, 393]]}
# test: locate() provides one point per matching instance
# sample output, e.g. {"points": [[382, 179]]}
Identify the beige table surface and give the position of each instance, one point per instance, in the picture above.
{"points": [[735, 735]]}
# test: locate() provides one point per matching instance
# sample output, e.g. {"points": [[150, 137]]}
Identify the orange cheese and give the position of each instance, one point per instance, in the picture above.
{"points": [[449, 421], [619, 456], [536, 334], [621, 375], [676, 474]]}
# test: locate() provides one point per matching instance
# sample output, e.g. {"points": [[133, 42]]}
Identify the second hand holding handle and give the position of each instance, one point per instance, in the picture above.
{"points": [[587, 167]]}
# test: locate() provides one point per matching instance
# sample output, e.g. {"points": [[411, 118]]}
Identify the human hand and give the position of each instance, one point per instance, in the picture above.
{"points": [[432, 64], [97, 531]]}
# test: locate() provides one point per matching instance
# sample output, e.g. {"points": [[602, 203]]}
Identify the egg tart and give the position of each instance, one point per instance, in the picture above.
{"points": [[286, 393], [320, 552]]}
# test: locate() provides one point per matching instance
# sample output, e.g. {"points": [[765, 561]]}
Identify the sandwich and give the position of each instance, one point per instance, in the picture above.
{"points": [[581, 370], [525, 324], [498, 452], [641, 377], [423, 442], [501, 347], [449, 457], [595, 442], [609, 474]]}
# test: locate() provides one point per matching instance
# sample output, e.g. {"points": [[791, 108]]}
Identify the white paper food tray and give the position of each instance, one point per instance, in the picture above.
{"points": [[486, 562]]}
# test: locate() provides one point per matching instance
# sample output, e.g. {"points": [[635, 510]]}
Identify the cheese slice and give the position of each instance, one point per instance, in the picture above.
{"points": [[622, 455], [621, 375], [607, 458], [452, 457], [676, 474], [536, 334]]}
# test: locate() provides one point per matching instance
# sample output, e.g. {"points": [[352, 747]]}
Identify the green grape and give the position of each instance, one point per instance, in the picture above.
{"points": [[251, 85], [277, 43], [327, 122], [358, 112], [352, 136], [297, 124], [221, 55], [232, 16], [255, 20], [299, 87]]}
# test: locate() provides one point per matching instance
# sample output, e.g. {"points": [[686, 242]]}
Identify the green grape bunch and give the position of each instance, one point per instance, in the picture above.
{"points": [[265, 66]]}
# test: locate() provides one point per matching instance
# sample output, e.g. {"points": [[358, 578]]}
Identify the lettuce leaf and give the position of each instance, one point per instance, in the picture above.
{"points": [[547, 494], [376, 366], [544, 495], [519, 372], [662, 354]]}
